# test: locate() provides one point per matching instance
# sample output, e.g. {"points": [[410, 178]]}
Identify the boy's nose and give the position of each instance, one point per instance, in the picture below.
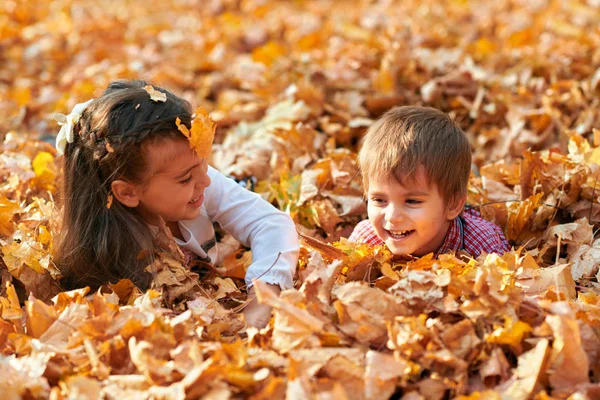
{"points": [[394, 215]]}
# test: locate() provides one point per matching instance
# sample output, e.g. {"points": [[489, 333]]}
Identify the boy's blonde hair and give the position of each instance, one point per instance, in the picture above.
{"points": [[405, 138]]}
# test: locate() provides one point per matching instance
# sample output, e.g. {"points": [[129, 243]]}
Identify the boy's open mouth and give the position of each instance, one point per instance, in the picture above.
{"points": [[397, 235]]}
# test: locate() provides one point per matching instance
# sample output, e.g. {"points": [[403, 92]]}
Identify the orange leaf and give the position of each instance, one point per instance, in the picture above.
{"points": [[39, 317], [7, 209], [202, 133]]}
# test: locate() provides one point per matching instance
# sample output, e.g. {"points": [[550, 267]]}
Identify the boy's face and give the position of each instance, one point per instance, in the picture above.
{"points": [[411, 219]]}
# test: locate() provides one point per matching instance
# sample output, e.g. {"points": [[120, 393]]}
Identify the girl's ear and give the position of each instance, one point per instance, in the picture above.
{"points": [[125, 192], [455, 207]]}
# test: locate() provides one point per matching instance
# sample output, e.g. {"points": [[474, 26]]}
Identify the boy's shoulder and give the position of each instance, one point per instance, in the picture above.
{"points": [[365, 233], [481, 235]]}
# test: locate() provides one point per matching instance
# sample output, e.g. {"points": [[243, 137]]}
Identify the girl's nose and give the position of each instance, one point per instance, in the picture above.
{"points": [[204, 181]]}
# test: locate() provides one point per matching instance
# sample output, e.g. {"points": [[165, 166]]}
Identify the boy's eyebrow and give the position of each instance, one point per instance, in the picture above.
{"points": [[417, 194], [376, 193]]}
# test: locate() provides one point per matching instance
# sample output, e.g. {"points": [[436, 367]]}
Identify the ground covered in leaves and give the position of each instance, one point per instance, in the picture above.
{"points": [[292, 87]]}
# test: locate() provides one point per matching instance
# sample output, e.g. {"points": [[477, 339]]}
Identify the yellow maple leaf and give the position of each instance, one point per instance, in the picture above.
{"points": [[44, 168], [202, 133], [511, 334], [268, 53]]}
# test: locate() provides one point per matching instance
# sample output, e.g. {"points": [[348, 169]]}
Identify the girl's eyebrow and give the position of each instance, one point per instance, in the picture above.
{"points": [[180, 175], [187, 171]]}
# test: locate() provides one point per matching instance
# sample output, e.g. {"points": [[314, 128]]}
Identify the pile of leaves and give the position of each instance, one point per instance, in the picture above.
{"points": [[292, 87]]}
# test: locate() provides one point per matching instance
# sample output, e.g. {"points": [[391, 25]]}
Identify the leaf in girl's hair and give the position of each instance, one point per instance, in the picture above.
{"points": [[155, 95], [202, 133]]}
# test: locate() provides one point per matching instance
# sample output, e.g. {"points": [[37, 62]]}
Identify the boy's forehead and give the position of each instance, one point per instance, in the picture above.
{"points": [[409, 181]]}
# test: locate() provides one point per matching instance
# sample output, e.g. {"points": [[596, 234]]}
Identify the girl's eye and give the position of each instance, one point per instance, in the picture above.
{"points": [[186, 180], [414, 201]]}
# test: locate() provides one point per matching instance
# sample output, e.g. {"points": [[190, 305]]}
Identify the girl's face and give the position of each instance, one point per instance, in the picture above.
{"points": [[174, 185]]}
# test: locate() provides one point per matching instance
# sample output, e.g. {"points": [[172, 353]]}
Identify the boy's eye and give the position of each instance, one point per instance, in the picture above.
{"points": [[377, 200], [414, 201]]}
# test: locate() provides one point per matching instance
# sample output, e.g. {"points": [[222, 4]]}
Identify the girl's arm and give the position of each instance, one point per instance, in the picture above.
{"points": [[270, 233]]}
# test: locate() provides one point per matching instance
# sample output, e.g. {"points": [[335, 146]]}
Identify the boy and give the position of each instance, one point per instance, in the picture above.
{"points": [[415, 163]]}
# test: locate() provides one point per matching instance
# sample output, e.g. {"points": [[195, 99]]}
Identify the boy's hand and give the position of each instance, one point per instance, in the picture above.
{"points": [[258, 315]]}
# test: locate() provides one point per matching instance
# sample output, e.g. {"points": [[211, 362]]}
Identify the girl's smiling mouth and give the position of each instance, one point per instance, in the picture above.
{"points": [[196, 201]]}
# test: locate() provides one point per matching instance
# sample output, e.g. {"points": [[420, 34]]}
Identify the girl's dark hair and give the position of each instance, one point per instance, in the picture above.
{"points": [[97, 244]]}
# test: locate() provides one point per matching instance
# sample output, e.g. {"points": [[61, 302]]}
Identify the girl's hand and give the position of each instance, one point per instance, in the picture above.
{"points": [[258, 315]]}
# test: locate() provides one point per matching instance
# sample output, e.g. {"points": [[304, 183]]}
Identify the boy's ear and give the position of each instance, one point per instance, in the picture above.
{"points": [[455, 207], [125, 192]]}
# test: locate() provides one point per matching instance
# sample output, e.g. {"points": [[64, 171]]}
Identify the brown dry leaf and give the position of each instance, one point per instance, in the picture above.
{"points": [[225, 287], [568, 363], [381, 373], [532, 365], [153, 368], [237, 263], [584, 261], [558, 279], [81, 387], [461, 339], [8, 208], [519, 214], [421, 289], [294, 326], [126, 291], [363, 312], [22, 377], [25, 252], [496, 369], [202, 134], [40, 317]]}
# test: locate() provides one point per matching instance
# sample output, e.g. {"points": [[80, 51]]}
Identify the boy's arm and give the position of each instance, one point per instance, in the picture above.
{"points": [[270, 233]]}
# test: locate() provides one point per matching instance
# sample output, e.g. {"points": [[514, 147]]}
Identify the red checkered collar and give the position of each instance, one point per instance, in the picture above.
{"points": [[455, 237]]}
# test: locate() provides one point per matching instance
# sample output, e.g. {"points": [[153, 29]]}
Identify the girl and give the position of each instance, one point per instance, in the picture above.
{"points": [[126, 146]]}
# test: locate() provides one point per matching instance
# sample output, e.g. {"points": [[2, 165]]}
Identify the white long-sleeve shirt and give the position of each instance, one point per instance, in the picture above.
{"points": [[252, 221]]}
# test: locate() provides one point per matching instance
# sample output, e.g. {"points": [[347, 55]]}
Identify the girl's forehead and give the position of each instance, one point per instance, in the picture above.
{"points": [[169, 156]]}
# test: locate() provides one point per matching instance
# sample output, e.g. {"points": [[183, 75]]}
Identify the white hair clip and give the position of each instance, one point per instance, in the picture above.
{"points": [[65, 135]]}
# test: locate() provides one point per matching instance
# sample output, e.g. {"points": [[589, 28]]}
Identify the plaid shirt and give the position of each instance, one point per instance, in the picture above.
{"points": [[479, 235]]}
